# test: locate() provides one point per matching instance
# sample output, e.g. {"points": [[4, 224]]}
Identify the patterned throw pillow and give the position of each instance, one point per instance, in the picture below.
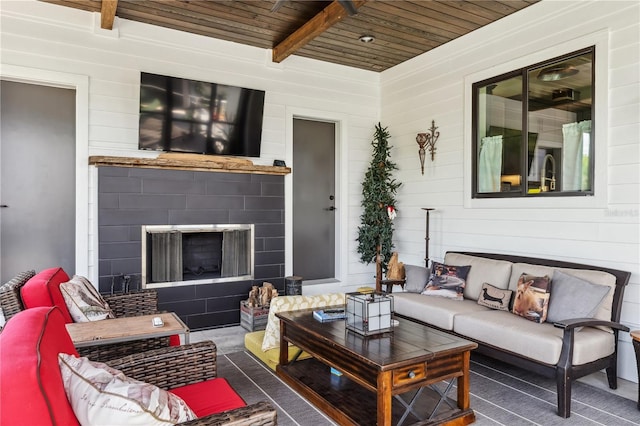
{"points": [[101, 395], [494, 297], [447, 281], [83, 300], [292, 303], [532, 298]]}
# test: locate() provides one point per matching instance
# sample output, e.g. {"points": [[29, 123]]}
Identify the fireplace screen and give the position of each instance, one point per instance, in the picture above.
{"points": [[196, 254]]}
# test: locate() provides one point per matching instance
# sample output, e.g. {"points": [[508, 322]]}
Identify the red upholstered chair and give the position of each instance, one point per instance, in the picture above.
{"points": [[32, 391], [43, 289]]}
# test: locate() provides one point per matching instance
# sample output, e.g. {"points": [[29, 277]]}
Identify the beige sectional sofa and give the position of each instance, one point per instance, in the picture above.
{"points": [[566, 350]]}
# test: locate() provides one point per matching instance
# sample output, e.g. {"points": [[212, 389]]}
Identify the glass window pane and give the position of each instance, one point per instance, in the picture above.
{"points": [[559, 113], [499, 136]]}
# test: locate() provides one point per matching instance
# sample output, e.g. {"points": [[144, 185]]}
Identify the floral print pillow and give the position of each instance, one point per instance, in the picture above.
{"points": [[293, 303]]}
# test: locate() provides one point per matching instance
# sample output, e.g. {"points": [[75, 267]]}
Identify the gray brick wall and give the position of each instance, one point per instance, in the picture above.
{"points": [[131, 197]]}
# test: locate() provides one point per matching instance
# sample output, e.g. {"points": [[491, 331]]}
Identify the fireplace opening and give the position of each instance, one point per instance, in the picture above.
{"points": [[175, 255]]}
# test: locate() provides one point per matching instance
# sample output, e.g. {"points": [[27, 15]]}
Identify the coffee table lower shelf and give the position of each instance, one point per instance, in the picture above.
{"points": [[348, 403]]}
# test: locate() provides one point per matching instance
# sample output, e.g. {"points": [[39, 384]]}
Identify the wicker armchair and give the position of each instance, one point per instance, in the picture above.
{"points": [[176, 366], [43, 290]]}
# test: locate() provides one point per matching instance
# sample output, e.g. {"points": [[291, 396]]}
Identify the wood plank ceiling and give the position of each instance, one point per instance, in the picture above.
{"points": [[402, 29]]}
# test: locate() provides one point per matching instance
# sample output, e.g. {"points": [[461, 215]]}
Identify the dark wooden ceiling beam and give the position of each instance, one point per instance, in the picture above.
{"points": [[108, 14], [310, 30]]}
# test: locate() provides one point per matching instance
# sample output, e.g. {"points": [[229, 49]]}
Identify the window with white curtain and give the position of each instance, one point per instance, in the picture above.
{"points": [[533, 130]]}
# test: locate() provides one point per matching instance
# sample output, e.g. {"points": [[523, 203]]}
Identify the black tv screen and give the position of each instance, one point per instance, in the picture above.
{"points": [[182, 115]]}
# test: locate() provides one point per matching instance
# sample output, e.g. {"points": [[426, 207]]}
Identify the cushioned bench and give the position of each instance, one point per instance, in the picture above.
{"points": [[566, 349]]}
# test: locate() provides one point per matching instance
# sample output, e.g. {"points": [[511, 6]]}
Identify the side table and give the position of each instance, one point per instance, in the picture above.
{"points": [[125, 329], [388, 284], [635, 339]]}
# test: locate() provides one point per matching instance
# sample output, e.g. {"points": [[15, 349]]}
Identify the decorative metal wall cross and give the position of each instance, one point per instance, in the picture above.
{"points": [[427, 140]]}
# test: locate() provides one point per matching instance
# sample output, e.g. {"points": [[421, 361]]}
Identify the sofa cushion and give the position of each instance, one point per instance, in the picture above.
{"points": [[572, 297], [437, 311], [416, 278], [532, 298], [540, 342], [293, 303], [43, 290], [483, 270], [446, 281], [83, 300], [31, 384], [210, 397], [101, 395], [495, 298]]}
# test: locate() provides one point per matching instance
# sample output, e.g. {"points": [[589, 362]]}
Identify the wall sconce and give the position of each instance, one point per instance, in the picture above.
{"points": [[427, 140]]}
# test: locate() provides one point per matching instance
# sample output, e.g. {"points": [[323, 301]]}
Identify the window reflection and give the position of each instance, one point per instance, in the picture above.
{"points": [[550, 103]]}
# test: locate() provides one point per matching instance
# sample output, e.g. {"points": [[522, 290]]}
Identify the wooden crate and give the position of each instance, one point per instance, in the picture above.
{"points": [[253, 318]]}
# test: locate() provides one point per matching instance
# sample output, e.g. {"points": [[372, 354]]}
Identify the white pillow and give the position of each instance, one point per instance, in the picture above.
{"points": [[101, 395], [292, 303], [83, 300]]}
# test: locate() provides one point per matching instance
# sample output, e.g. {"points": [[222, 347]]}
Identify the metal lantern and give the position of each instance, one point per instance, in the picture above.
{"points": [[369, 313]]}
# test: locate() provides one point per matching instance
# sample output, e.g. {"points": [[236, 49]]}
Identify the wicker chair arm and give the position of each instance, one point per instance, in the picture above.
{"points": [[10, 299], [134, 303], [172, 366], [258, 414]]}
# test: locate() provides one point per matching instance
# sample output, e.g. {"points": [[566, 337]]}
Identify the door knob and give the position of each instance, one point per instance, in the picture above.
{"points": [[3, 206], [332, 208]]}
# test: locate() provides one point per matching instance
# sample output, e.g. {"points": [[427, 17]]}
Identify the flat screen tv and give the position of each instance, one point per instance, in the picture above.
{"points": [[180, 115]]}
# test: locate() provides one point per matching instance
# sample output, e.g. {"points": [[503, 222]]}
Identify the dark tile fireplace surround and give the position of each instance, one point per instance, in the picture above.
{"points": [[129, 197]]}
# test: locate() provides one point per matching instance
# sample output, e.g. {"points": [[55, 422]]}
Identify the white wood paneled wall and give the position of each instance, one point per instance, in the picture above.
{"points": [[601, 230], [38, 35]]}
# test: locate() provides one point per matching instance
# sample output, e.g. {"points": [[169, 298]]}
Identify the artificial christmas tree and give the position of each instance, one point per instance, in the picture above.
{"points": [[378, 203]]}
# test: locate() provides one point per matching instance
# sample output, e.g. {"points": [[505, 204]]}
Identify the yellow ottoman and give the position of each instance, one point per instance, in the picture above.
{"points": [[265, 344], [253, 343]]}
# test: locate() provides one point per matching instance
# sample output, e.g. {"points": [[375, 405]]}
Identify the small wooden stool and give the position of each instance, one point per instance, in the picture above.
{"points": [[635, 338]]}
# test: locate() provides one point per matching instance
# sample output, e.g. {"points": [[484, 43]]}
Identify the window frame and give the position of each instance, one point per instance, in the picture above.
{"points": [[523, 73]]}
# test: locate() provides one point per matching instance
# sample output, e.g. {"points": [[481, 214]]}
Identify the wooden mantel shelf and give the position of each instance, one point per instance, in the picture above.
{"points": [[193, 162]]}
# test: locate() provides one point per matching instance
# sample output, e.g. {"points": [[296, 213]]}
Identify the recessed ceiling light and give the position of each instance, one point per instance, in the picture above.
{"points": [[366, 38]]}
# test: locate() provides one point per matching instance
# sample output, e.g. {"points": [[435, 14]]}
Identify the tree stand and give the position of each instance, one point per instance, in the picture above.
{"points": [[378, 270]]}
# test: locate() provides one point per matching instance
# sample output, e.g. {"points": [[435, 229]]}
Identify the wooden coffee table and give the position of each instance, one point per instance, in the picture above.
{"points": [[125, 329], [376, 370]]}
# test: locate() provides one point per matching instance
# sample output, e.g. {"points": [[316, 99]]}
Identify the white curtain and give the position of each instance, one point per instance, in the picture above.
{"points": [[576, 137], [166, 257], [490, 164]]}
